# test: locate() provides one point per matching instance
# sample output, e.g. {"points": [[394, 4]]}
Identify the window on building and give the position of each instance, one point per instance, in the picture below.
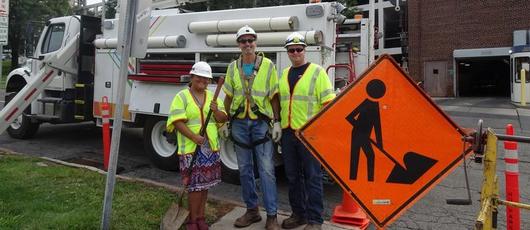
{"points": [[53, 39], [522, 63], [392, 29]]}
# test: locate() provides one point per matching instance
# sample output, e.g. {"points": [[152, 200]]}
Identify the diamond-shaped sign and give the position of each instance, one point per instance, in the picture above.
{"points": [[384, 141]]}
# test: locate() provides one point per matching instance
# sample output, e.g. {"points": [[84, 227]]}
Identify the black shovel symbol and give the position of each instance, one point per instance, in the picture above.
{"points": [[415, 166], [365, 118]]}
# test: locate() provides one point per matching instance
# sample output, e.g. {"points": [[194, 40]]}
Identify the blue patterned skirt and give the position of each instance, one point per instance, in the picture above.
{"points": [[206, 171]]}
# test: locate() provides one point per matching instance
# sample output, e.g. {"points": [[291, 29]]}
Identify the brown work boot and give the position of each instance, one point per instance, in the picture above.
{"points": [[313, 227], [293, 221], [272, 223], [250, 217]]}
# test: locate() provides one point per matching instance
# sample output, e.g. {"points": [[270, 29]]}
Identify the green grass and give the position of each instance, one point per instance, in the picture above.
{"points": [[6, 66], [60, 197]]}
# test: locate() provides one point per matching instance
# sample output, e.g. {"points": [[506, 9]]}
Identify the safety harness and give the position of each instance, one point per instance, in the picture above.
{"points": [[252, 105]]}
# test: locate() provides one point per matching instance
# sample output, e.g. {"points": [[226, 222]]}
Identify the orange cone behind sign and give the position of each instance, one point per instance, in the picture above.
{"points": [[105, 117], [349, 213]]}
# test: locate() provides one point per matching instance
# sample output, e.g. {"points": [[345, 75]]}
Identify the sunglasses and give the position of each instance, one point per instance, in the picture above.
{"points": [[250, 40], [299, 50]]}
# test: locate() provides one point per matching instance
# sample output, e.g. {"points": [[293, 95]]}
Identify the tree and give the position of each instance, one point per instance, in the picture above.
{"points": [[110, 8], [350, 10], [25, 16]]}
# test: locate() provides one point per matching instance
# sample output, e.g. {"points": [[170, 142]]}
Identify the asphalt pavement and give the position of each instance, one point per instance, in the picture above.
{"points": [[69, 141]]}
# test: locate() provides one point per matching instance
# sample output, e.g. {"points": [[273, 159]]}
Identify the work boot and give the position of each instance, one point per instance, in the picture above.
{"points": [[313, 227], [250, 217], [272, 223], [293, 221], [201, 223], [192, 225]]}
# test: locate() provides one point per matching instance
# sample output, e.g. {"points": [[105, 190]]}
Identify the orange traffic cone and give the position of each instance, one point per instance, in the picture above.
{"points": [[349, 213]]}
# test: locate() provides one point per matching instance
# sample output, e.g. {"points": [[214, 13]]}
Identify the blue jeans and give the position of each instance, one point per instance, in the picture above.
{"points": [[304, 177], [247, 131]]}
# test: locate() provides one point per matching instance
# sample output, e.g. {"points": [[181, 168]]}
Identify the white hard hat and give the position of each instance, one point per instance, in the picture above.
{"points": [[295, 39], [246, 30], [201, 69]]}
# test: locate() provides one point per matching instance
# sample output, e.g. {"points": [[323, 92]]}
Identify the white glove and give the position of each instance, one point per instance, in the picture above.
{"points": [[276, 131], [224, 132]]}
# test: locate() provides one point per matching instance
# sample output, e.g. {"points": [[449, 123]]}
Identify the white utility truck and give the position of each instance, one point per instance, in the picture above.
{"points": [[76, 64]]}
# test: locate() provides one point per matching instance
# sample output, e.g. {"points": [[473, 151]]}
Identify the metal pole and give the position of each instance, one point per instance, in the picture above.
{"points": [[125, 45], [522, 139], [2, 61], [371, 17], [489, 193], [523, 87], [103, 10]]}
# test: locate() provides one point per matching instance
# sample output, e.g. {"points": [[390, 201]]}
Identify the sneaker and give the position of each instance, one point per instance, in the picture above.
{"points": [[201, 223], [313, 227], [293, 221], [250, 217], [272, 223]]}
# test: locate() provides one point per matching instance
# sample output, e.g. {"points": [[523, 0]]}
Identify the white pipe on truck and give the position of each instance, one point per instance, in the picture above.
{"points": [[258, 24], [176, 41], [313, 37]]}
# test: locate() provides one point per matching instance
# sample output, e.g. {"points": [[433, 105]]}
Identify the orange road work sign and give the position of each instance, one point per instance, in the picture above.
{"points": [[384, 141]]}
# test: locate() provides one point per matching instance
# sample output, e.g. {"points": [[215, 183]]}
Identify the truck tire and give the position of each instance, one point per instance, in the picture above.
{"points": [[22, 127], [229, 167], [162, 153]]}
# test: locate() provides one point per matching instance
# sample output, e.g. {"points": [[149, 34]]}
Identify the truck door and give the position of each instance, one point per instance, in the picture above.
{"points": [[55, 35]]}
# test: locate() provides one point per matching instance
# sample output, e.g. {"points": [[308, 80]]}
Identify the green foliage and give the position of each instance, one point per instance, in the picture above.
{"points": [[350, 10], [26, 18], [110, 8], [37, 194], [6, 65]]}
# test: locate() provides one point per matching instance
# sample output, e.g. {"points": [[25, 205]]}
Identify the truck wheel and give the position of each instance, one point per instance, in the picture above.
{"points": [[22, 127], [229, 167], [162, 153]]}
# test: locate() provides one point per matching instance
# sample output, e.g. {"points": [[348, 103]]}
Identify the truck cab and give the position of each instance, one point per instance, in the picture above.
{"points": [[67, 98]]}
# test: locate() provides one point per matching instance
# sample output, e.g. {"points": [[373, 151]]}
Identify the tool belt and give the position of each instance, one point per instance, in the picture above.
{"points": [[254, 110], [262, 117]]}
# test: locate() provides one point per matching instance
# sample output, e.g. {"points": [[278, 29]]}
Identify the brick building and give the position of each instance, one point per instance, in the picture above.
{"points": [[461, 48]]}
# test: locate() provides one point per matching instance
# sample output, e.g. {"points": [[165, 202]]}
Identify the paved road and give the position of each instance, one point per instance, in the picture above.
{"points": [[66, 142]]}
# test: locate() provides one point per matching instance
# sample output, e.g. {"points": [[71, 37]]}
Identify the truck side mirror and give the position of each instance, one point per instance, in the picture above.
{"points": [[41, 57]]}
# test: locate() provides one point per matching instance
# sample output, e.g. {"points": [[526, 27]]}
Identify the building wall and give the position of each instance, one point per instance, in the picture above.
{"points": [[438, 27]]}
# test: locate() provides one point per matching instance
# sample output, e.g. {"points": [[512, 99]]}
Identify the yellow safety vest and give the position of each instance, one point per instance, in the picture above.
{"points": [[263, 87], [186, 109], [310, 93]]}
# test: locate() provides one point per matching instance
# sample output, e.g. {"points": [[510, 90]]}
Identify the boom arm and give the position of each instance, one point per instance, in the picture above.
{"points": [[53, 63]]}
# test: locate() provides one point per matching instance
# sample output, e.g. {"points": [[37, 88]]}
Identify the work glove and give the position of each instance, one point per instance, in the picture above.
{"points": [[276, 131], [224, 131]]}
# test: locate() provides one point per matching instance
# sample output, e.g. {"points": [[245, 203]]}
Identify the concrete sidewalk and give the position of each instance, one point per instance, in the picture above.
{"points": [[227, 221]]}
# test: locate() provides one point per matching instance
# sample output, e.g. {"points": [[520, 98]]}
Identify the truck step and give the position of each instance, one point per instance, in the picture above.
{"points": [[54, 100], [44, 117]]}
